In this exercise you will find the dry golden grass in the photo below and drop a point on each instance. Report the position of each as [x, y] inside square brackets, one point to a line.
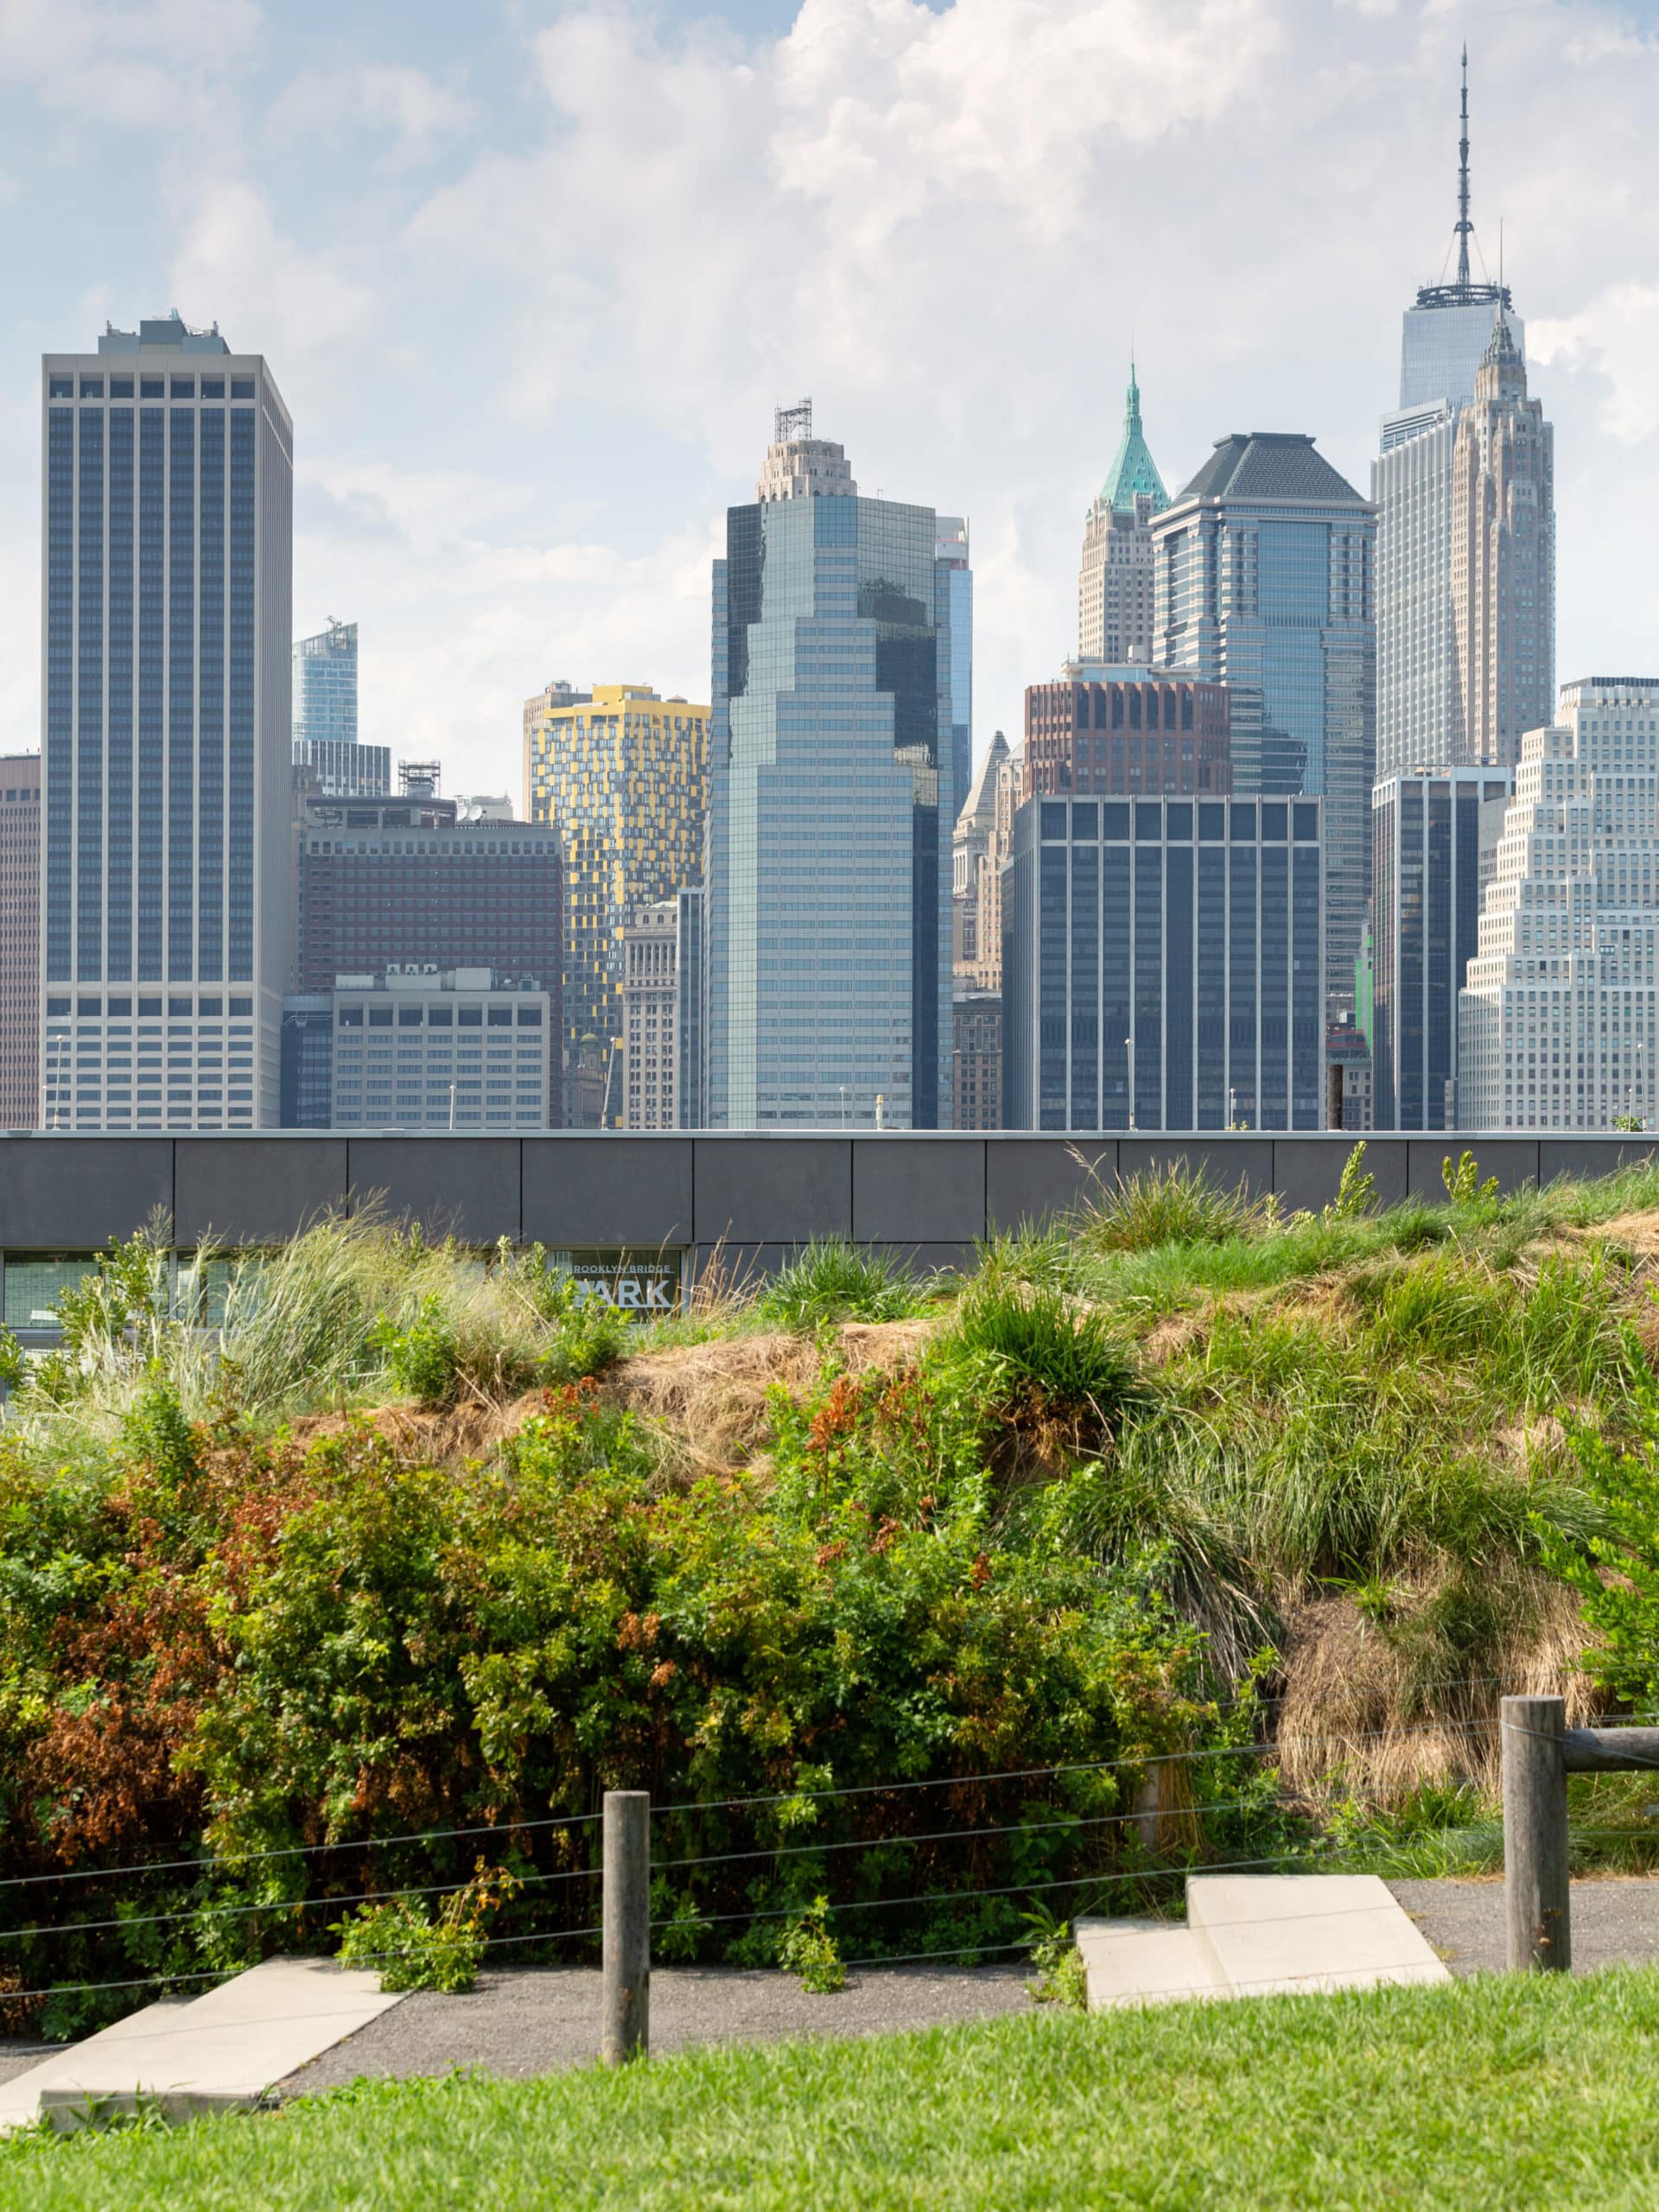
[1355, 1714]
[712, 1399]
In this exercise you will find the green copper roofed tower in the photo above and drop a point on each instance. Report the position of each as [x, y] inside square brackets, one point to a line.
[1133, 473]
[1114, 581]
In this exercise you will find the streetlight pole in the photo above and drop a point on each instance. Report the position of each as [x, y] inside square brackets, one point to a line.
[1128, 1046]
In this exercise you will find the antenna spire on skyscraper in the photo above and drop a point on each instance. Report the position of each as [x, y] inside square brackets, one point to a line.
[1465, 227]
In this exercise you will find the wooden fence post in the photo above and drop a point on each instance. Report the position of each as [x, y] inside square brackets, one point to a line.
[1536, 1897]
[625, 2029]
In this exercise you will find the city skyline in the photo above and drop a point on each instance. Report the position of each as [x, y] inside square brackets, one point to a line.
[478, 556]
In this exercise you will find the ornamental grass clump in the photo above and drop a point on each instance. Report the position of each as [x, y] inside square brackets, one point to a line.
[1034, 1360]
[1168, 1205]
[831, 1279]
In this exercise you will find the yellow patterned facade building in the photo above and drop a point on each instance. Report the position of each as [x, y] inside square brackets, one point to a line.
[622, 773]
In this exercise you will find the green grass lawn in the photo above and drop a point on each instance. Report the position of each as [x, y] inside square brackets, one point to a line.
[1518, 2092]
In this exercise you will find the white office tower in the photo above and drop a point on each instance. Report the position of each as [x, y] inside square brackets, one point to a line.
[167, 570]
[1443, 339]
[1556, 1023]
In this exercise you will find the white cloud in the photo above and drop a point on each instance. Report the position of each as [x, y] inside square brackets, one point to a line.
[1616, 336]
[234, 265]
[152, 64]
[532, 329]
[412, 112]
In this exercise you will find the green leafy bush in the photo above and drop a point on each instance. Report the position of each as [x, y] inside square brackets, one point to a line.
[1614, 1569]
[809, 1949]
[1062, 1976]
[412, 1948]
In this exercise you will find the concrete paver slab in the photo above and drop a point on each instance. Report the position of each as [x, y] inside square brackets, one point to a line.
[1144, 1962]
[222, 2050]
[1271, 1932]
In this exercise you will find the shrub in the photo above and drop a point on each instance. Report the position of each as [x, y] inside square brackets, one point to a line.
[1615, 1570]
[413, 1948]
[423, 1357]
[809, 1949]
[830, 1280]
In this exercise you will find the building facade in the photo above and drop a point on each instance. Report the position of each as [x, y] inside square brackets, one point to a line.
[827, 906]
[950, 553]
[167, 543]
[976, 957]
[976, 1059]
[1435, 838]
[1264, 584]
[1125, 731]
[1115, 597]
[1503, 561]
[414, 1048]
[325, 686]
[1421, 687]
[1163, 965]
[20, 940]
[401, 884]
[623, 775]
[650, 1016]
[1557, 1021]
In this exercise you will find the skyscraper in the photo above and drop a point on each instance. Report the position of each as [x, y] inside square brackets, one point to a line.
[1420, 717]
[1559, 1021]
[20, 940]
[650, 1016]
[1115, 583]
[1436, 832]
[168, 538]
[826, 909]
[1503, 561]
[325, 717]
[951, 551]
[1163, 965]
[622, 775]
[1264, 575]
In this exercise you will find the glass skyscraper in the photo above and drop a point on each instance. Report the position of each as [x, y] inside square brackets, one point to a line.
[167, 541]
[1162, 965]
[325, 717]
[1263, 578]
[1422, 716]
[951, 547]
[1436, 835]
[827, 914]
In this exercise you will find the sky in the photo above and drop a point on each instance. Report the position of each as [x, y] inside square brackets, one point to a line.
[532, 279]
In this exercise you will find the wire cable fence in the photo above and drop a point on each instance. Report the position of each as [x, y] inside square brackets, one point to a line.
[1025, 1844]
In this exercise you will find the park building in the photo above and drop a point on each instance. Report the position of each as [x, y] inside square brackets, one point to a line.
[1164, 965]
[1557, 1021]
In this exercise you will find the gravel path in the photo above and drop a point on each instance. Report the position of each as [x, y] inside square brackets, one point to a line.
[539, 2019]
[1615, 1922]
